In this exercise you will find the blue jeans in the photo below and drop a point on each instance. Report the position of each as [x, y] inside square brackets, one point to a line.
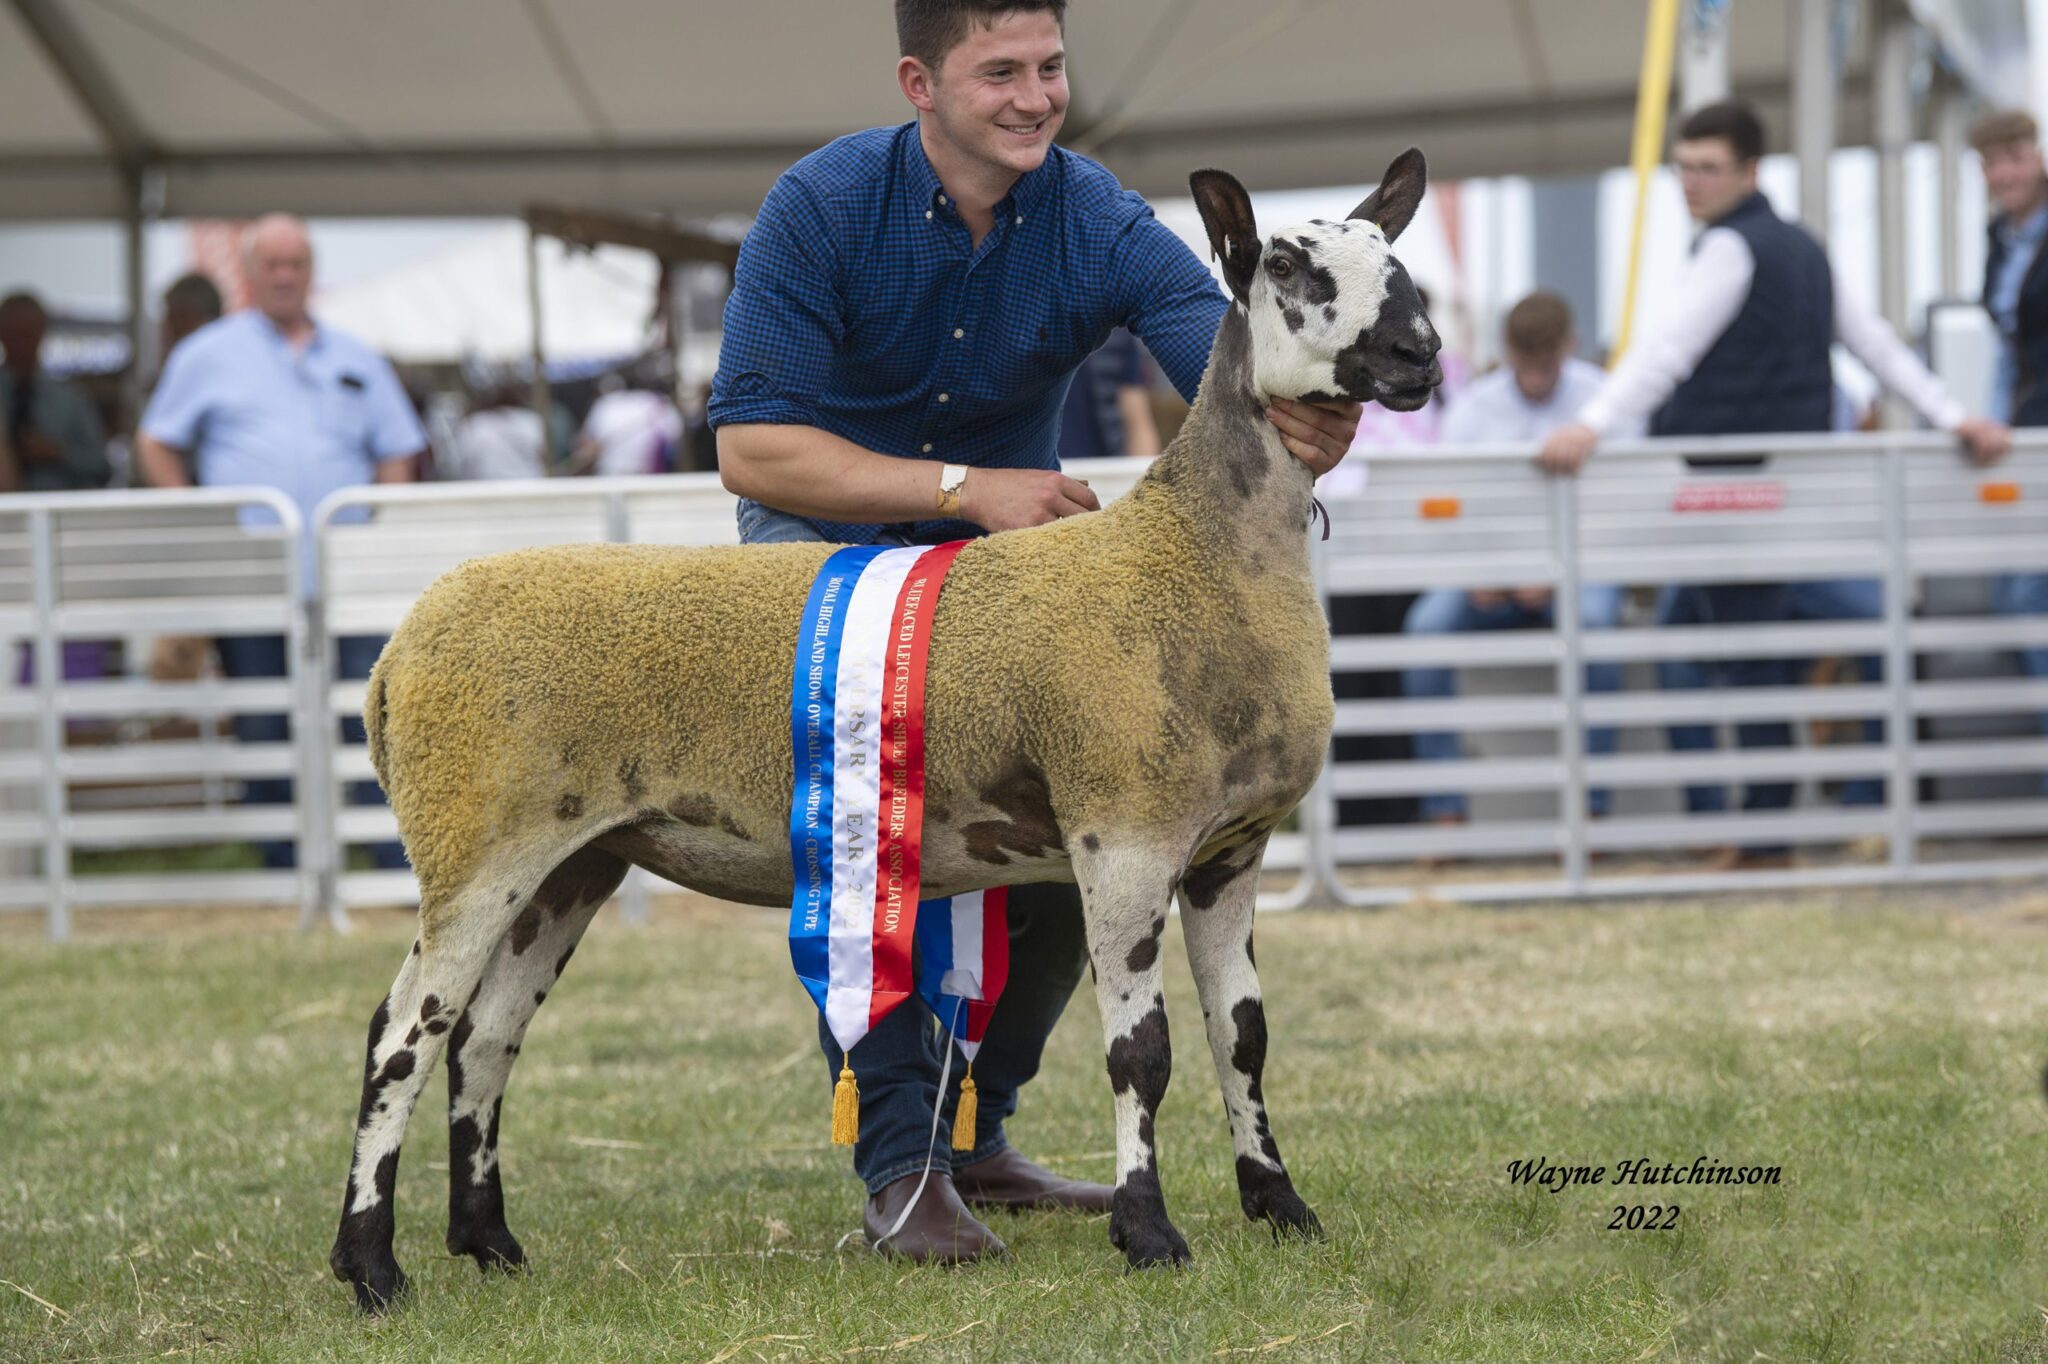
[2026, 594]
[1450, 612]
[899, 1061]
[1753, 604]
[264, 656]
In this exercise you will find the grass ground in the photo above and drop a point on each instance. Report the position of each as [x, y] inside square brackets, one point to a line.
[176, 1103]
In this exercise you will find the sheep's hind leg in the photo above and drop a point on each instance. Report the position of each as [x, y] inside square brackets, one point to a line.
[1216, 917]
[485, 1044]
[1125, 895]
[406, 1036]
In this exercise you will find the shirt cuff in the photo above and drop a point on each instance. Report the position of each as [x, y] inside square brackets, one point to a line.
[759, 412]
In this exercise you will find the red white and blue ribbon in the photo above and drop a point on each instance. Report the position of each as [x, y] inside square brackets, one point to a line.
[856, 818]
[963, 950]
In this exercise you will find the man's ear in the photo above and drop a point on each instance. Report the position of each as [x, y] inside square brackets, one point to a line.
[916, 80]
[1233, 235]
[1392, 206]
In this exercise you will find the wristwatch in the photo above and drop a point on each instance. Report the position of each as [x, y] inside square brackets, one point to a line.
[951, 479]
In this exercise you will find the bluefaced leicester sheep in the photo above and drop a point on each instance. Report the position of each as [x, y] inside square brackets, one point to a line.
[1131, 700]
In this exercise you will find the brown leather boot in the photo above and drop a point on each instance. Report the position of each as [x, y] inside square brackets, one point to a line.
[1007, 1180]
[939, 1229]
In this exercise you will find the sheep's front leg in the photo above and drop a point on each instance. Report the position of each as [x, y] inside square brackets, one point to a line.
[1125, 895]
[1216, 918]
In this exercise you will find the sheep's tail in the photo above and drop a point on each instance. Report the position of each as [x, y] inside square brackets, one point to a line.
[374, 725]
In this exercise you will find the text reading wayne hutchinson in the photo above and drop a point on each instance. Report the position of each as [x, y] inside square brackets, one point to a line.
[1638, 1170]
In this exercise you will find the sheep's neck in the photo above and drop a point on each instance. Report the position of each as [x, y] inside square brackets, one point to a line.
[1228, 471]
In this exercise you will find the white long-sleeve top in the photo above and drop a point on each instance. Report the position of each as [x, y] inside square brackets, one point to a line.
[1711, 293]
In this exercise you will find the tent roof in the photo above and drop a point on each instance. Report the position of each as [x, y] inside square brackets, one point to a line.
[480, 106]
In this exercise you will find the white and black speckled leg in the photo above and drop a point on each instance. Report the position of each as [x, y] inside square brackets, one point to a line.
[485, 1044]
[1216, 918]
[1125, 892]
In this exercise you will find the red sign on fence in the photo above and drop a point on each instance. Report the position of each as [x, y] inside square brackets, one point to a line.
[1750, 495]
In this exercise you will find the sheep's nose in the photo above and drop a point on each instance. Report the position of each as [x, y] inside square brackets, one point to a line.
[1416, 351]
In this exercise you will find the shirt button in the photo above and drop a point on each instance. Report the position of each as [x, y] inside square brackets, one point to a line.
[958, 333]
[927, 447]
[945, 397]
[927, 213]
[1020, 220]
[942, 198]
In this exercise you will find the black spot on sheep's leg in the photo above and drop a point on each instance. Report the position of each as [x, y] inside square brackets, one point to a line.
[570, 806]
[1145, 955]
[476, 1201]
[1204, 883]
[1264, 1189]
[1141, 1063]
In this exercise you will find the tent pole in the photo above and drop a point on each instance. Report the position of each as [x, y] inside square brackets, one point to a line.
[134, 218]
[1813, 108]
[1951, 133]
[543, 402]
[1653, 98]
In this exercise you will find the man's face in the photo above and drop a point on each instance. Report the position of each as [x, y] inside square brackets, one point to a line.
[1713, 178]
[2014, 175]
[1537, 372]
[1001, 94]
[281, 274]
[21, 336]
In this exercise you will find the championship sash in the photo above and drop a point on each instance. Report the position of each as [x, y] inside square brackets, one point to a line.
[857, 814]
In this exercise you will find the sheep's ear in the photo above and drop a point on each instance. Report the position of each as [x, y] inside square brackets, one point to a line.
[1233, 235]
[1392, 206]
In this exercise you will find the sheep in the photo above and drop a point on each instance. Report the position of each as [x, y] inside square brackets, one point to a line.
[1131, 700]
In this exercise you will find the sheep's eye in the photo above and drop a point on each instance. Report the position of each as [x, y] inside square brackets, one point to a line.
[1280, 267]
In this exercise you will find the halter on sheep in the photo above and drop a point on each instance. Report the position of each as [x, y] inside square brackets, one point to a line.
[1131, 700]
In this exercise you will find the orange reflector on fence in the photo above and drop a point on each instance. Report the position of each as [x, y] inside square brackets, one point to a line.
[1998, 492]
[1441, 508]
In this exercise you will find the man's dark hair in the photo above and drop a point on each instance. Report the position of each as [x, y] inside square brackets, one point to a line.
[195, 294]
[1730, 120]
[929, 29]
[23, 300]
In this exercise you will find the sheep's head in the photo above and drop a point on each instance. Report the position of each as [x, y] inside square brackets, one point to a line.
[1332, 312]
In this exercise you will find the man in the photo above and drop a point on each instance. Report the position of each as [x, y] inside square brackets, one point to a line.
[2016, 295]
[1108, 410]
[1747, 350]
[904, 317]
[1542, 386]
[192, 301]
[53, 440]
[269, 398]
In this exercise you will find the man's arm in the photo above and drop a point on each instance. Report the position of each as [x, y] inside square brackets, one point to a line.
[1873, 342]
[810, 472]
[1710, 293]
[159, 465]
[1141, 432]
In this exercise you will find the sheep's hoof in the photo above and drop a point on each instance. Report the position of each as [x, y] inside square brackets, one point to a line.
[1269, 1196]
[493, 1248]
[1138, 1227]
[380, 1289]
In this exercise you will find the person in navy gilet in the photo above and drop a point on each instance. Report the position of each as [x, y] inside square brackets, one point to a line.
[1746, 350]
[2008, 144]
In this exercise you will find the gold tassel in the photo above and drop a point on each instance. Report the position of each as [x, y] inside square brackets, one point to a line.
[845, 1106]
[965, 1113]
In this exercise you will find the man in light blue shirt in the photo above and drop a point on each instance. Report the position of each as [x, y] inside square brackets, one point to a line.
[269, 398]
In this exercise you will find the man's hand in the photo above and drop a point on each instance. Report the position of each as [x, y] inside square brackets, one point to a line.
[1487, 598]
[38, 448]
[1566, 449]
[1532, 598]
[1317, 434]
[1011, 499]
[1985, 442]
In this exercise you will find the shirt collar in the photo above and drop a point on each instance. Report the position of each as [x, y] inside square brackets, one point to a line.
[1024, 197]
[2030, 228]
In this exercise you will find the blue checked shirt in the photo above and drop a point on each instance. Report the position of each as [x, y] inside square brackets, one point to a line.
[861, 306]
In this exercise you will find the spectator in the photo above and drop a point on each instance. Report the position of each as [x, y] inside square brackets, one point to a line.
[502, 437]
[53, 439]
[1109, 404]
[192, 301]
[271, 398]
[2016, 294]
[630, 429]
[1542, 386]
[1747, 350]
